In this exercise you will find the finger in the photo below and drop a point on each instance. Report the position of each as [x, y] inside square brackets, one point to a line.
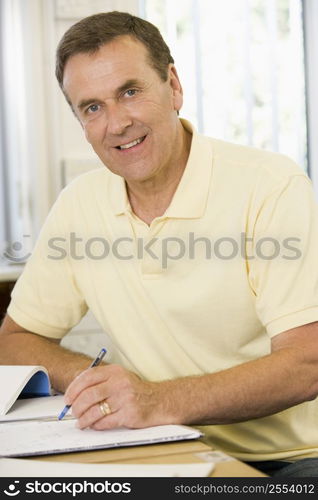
[107, 423]
[93, 415]
[89, 397]
[89, 377]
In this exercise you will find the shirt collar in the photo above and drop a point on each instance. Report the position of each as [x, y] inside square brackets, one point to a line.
[190, 198]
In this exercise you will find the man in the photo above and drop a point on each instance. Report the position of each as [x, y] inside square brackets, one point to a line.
[228, 338]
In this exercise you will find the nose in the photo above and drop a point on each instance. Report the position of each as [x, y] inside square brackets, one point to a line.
[118, 119]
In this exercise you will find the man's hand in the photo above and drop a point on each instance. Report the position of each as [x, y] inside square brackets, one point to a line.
[237, 394]
[134, 403]
[286, 377]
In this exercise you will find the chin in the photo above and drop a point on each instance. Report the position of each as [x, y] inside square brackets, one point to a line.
[135, 174]
[136, 177]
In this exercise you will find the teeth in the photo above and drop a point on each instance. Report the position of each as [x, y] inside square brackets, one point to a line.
[131, 144]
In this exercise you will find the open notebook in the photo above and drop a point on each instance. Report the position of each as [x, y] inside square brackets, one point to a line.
[47, 408]
[43, 438]
[22, 381]
[30, 426]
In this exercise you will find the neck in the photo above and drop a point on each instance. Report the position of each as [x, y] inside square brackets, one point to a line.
[150, 199]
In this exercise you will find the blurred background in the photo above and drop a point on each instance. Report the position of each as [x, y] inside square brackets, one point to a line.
[249, 70]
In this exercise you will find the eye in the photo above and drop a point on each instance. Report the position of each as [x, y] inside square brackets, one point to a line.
[131, 92]
[92, 108]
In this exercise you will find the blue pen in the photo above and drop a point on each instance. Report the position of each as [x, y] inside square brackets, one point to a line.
[96, 362]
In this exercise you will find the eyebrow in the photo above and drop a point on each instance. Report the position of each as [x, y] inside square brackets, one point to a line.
[129, 83]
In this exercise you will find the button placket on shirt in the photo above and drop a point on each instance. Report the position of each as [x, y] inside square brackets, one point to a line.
[148, 246]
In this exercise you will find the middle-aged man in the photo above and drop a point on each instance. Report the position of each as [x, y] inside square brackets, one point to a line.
[198, 258]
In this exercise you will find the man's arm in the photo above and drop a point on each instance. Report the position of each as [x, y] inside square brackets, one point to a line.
[286, 377]
[18, 346]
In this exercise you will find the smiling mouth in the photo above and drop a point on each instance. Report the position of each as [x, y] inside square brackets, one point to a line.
[131, 144]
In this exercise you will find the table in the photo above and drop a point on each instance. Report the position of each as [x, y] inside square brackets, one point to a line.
[167, 453]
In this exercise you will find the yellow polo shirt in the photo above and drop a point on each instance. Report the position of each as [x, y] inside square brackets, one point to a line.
[231, 263]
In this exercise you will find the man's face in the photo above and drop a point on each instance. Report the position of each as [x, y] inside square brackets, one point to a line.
[127, 112]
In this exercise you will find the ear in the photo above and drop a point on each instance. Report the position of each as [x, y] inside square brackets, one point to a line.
[177, 92]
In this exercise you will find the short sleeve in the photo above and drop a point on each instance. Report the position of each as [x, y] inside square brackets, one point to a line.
[46, 299]
[283, 265]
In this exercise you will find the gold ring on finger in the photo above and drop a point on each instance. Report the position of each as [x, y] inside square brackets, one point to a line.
[105, 408]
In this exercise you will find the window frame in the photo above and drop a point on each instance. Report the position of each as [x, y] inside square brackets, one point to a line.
[4, 201]
[310, 27]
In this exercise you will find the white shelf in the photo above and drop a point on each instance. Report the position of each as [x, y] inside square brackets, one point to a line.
[10, 272]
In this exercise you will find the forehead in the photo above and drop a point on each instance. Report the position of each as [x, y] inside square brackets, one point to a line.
[122, 57]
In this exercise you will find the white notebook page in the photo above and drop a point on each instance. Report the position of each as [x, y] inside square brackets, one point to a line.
[38, 438]
[47, 406]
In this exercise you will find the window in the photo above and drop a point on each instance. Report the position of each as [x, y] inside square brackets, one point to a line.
[15, 220]
[24, 171]
[241, 63]
[310, 14]
[3, 183]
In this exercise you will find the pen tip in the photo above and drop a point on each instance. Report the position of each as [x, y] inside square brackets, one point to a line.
[62, 414]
